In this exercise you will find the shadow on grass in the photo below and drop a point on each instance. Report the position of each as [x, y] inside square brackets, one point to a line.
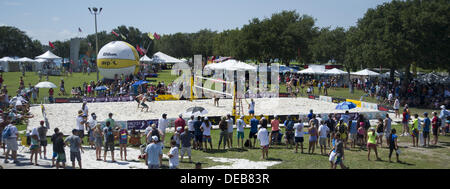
[434, 146]
[445, 143]
[405, 163]
[215, 151]
[238, 150]
[274, 159]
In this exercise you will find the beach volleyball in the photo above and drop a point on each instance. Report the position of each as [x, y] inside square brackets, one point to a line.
[116, 58]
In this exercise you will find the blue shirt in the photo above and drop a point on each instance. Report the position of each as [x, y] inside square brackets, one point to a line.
[153, 151]
[353, 129]
[197, 126]
[289, 125]
[310, 116]
[426, 127]
[254, 125]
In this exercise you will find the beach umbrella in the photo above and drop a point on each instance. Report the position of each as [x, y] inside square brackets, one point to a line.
[101, 88]
[196, 111]
[345, 106]
[45, 84]
[139, 83]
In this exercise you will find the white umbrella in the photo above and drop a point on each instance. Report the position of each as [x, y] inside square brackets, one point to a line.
[45, 84]
[48, 55]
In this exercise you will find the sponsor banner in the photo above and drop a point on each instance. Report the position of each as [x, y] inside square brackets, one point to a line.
[357, 102]
[383, 108]
[337, 100]
[283, 95]
[166, 97]
[74, 100]
[325, 99]
[121, 124]
[141, 124]
[61, 100]
[369, 105]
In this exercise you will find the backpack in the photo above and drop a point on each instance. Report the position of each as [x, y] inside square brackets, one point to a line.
[438, 122]
[341, 129]
[6, 132]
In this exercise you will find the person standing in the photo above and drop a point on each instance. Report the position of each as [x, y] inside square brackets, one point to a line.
[339, 150]
[426, 129]
[393, 145]
[98, 140]
[81, 120]
[179, 122]
[387, 127]
[153, 154]
[380, 132]
[289, 128]
[191, 129]
[75, 147]
[405, 121]
[11, 140]
[435, 123]
[253, 130]
[59, 150]
[186, 143]
[163, 123]
[275, 125]
[223, 126]
[230, 128]
[198, 135]
[91, 123]
[331, 124]
[173, 155]
[323, 132]
[34, 147]
[109, 141]
[123, 140]
[206, 128]
[251, 107]
[42, 130]
[443, 116]
[415, 131]
[53, 139]
[372, 143]
[312, 138]
[240, 125]
[263, 137]
[298, 127]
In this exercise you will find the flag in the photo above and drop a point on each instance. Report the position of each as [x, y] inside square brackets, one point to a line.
[139, 50]
[156, 36]
[79, 29]
[150, 36]
[51, 45]
[113, 32]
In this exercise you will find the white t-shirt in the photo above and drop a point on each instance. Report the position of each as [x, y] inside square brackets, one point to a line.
[252, 106]
[80, 126]
[162, 124]
[173, 161]
[323, 131]
[191, 125]
[14, 131]
[396, 104]
[230, 125]
[206, 130]
[263, 136]
[298, 127]
[148, 130]
[92, 123]
[85, 110]
[240, 124]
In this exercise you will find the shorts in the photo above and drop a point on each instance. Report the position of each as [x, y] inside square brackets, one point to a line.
[387, 134]
[277, 131]
[370, 145]
[186, 149]
[98, 142]
[206, 138]
[338, 160]
[230, 136]
[352, 136]
[54, 155]
[435, 131]
[122, 141]
[344, 136]
[312, 138]
[75, 155]
[198, 138]
[252, 135]
[415, 133]
[289, 135]
[43, 143]
[298, 139]
[61, 157]
[322, 141]
[109, 147]
[265, 147]
[426, 134]
[33, 147]
[332, 156]
[251, 112]
[144, 105]
[11, 144]
[156, 166]
[380, 134]
[240, 135]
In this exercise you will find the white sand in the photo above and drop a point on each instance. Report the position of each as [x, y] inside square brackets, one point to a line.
[241, 163]
[64, 115]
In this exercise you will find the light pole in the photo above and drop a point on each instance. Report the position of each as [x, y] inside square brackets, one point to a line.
[95, 13]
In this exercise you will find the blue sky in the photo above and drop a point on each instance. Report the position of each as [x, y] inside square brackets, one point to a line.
[51, 20]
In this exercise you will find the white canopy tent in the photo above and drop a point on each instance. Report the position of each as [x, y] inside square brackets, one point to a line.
[145, 58]
[231, 65]
[25, 59]
[335, 71]
[161, 58]
[312, 69]
[365, 72]
[48, 55]
[5, 64]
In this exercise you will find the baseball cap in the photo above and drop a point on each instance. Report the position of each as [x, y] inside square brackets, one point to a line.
[155, 138]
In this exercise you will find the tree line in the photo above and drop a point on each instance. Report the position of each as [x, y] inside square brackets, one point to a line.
[394, 35]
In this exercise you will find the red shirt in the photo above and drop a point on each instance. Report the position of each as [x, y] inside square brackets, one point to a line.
[50, 92]
[180, 123]
[434, 122]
